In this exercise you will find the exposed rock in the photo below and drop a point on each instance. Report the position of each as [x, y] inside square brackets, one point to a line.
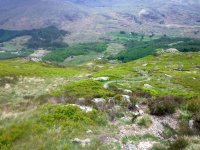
[150, 15]
[191, 124]
[111, 100]
[126, 98]
[162, 51]
[128, 91]
[89, 131]
[137, 106]
[7, 86]
[144, 65]
[145, 145]
[84, 108]
[130, 146]
[148, 86]
[141, 112]
[82, 142]
[38, 54]
[169, 76]
[101, 79]
[172, 50]
[100, 102]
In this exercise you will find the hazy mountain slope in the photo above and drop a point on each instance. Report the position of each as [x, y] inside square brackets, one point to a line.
[89, 19]
[33, 14]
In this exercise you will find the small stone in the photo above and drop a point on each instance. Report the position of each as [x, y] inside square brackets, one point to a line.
[131, 147]
[89, 131]
[172, 50]
[148, 86]
[81, 142]
[100, 102]
[126, 98]
[137, 106]
[101, 79]
[144, 65]
[191, 124]
[145, 145]
[141, 112]
[84, 108]
[7, 86]
[127, 91]
[169, 76]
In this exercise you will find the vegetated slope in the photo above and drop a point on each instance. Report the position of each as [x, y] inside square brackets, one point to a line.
[38, 107]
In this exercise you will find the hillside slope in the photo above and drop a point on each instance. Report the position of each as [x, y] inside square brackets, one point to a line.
[140, 103]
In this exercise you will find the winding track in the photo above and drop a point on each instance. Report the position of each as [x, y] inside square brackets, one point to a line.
[106, 84]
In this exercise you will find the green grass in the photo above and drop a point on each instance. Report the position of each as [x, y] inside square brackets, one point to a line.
[144, 121]
[152, 70]
[49, 123]
[137, 138]
[19, 67]
[85, 88]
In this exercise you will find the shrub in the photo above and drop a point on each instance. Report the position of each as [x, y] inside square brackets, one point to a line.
[193, 105]
[85, 88]
[71, 120]
[164, 105]
[158, 146]
[179, 144]
[197, 121]
[144, 121]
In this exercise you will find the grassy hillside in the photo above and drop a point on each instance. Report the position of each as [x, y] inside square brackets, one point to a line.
[35, 100]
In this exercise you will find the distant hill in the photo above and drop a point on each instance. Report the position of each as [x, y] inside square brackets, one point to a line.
[89, 19]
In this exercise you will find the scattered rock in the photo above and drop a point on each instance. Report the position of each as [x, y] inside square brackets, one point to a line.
[137, 106]
[172, 50]
[7, 86]
[101, 79]
[148, 86]
[141, 112]
[89, 132]
[131, 147]
[148, 14]
[169, 76]
[128, 91]
[100, 102]
[191, 124]
[88, 75]
[111, 100]
[145, 145]
[125, 91]
[81, 142]
[126, 98]
[144, 65]
[84, 108]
